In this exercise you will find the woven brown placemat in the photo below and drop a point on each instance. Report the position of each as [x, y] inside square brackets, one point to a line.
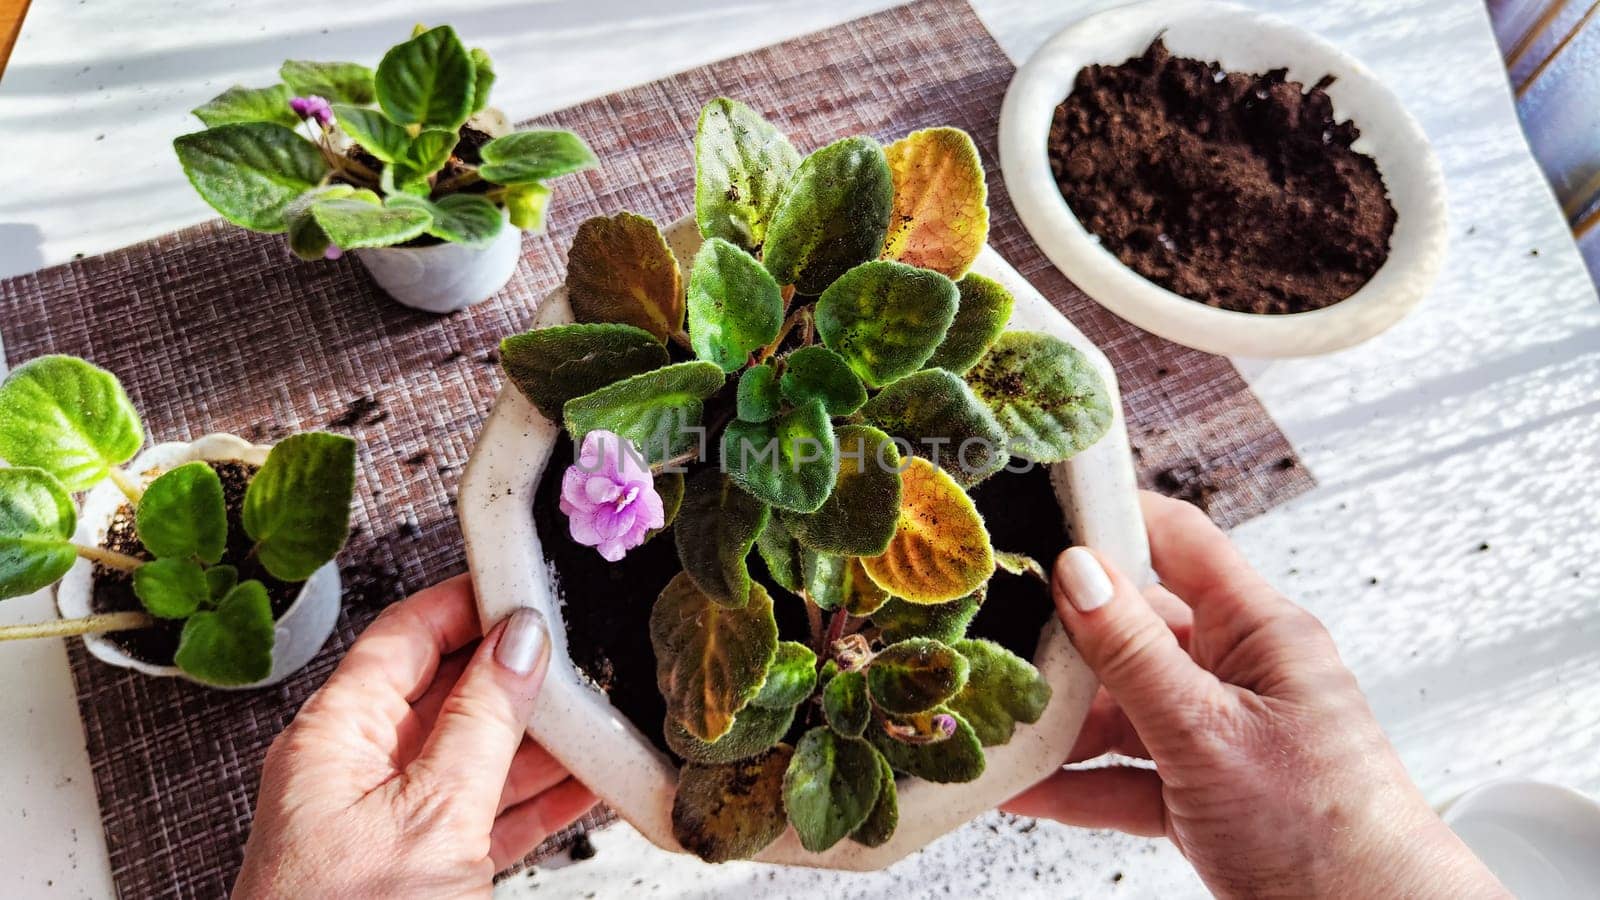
[216, 329]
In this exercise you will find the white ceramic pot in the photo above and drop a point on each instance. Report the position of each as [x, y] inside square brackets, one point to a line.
[1242, 40]
[581, 728]
[300, 631]
[445, 277]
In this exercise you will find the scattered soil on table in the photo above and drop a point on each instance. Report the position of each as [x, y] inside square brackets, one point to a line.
[1239, 191]
[364, 410]
[1190, 483]
[113, 590]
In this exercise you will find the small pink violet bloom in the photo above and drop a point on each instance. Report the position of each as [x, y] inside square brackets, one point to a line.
[945, 725]
[332, 252]
[609, 497]
[312, 107]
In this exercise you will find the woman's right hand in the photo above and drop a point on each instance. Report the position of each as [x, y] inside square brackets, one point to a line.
[1271, 774]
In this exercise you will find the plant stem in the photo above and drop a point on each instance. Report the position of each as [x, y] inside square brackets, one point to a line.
[466, 178]
[111, 559]
[803, 313]
[127, 484]
[835, 629]
[814, 618]
[96, 624]
[676, 462]
[681, 338]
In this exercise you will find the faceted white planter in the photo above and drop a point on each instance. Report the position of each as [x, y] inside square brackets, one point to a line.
[604, 750]
[300, 632]
[445, 277]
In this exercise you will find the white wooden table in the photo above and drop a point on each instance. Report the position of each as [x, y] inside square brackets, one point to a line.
[1458, 455]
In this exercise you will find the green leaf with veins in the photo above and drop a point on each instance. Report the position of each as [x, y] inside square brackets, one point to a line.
[845, 704]
[759, 398]
[939, 414]
[735, 308]
[731, 811]
[306, 238]
[522, 157]
[69, 418]
[830, 787]
[466, 219]
[553, 365]
[983, 311]
[336, 82]
[220, 580]
[915, 675]
[249, 171]
[833, 215]
[426, 154]
[786, 462]
[711, 659]
[956, 759]
[886, 318]
[741, 166]
[620, 269]
[483, 78]
[37, 520]
[898, 620]
[428, 80]
[1048, 397]
[656, 410]
[885, 815]
[781, 553]
[171, 588]
[755, 729]
[352, 222]
[840, 582]
[297, 507]
[1002, 689]
[860, 514]
[790, 679]
[232, 644]
[242, 104]
[182, 515]
[717, 526]
[374, 131]
[525, 204]
[817, 373]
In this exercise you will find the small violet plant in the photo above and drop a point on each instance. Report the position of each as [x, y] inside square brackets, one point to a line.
[609, 496]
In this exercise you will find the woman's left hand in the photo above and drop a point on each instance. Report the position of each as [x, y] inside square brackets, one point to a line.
[409, 774]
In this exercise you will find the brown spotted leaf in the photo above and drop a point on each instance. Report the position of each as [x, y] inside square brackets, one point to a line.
[621, 270]
[940, 550]
[711, 660]
[941, 213]
[731, 811]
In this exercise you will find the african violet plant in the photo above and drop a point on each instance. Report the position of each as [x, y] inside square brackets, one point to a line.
[66, 425]
[378, 175]
[857, 381]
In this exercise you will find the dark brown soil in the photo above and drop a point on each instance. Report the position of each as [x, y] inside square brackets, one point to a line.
[113, 590]
[1239, 191]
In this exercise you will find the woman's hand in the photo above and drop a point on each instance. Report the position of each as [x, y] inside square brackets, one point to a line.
[1271, 775]
[409, 773]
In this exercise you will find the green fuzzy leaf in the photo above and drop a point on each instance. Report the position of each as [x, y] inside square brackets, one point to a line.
[711, 660]
[171, 588]
[374, 131]
[524, 157]
[620, 269]
[915, 675]
[735, 308]
[483, 78]
[181, 515]
[37, 520]
[983, 312]
[352, 223]
[840, 582]
[553, 365]
[1047, 397]
[525, 205]
[1002, 689]
[655, 410]
[787, 462]
[886, 318]
[717, 526]
[250, 171]
[231, 645]
[941, 417]
[885, 815]
[755, 729]
[830, 788]
[845, 704]
[899, 620]
[832, 217]
[426, 154]
[859, 516]
[759, 397]
[790, 679]
[781, 552]
[741, 166]
[220, 580]
[956, 759]
[306, 238]
[297, 508]
[429, 80]
[731, 811]
[466, 219]
[1021, 564]
[817, 373]
[336, 82]
[242, 104]
[69, 418]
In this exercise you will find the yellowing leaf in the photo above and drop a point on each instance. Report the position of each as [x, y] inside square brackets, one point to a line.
[711, 660]
[731, 811]
[940, 550]
[941, 211]
[621, 270]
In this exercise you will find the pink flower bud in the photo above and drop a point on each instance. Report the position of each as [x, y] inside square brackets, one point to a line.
[312, 107]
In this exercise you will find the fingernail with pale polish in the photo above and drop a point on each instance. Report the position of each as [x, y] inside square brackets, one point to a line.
[523, 642]
[1084, 579]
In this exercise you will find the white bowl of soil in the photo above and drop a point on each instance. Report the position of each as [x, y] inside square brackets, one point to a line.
[1240, 41]
[300, 630]
[511, 544]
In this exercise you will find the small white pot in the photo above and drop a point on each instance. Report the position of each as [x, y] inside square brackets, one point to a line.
[580, 727]
[300, 631]
[445, 277]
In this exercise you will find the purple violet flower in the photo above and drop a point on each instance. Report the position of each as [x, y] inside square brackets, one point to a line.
[944, 724]
[332, 252]
[312, 107]
[608, 495]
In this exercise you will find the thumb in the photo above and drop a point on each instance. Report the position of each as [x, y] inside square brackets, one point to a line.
[482, 722]
[1130, 647]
